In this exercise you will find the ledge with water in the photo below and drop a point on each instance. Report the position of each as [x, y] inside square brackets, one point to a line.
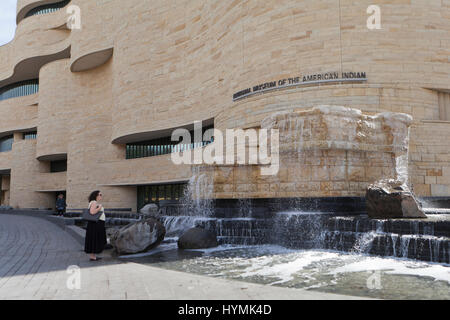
[425, 240]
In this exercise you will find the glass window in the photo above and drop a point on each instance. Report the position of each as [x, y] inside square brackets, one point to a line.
[48, 8]
[6, 143]
[19, 89]
[156, 193]
[30, 135]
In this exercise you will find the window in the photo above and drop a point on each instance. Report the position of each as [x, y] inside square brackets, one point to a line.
[58, 166]
[30, 135]
[156, 193]
[48, 8]
[19, 89]
[158, 147]
[6, 143]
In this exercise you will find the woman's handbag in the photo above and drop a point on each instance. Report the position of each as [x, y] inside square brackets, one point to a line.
[91, 217]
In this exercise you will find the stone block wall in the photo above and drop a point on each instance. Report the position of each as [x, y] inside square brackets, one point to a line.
[430, 158]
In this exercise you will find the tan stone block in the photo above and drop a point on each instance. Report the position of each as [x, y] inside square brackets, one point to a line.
[415, 179]
[434, 172]
[308, 187]
[440, 190]
[319, 173]
[287, 187]
[274, 187]
[299, 174]
[422, 190]
[443, 158]
[223, 175]
[356, 173]
[428, 157]
[338, 173]
[326, 186]
[374, 173]
[430, 180]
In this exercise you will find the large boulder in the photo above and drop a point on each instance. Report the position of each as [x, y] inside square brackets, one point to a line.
[391, 199]
[150, 211]
[197, 238]
[138, 237]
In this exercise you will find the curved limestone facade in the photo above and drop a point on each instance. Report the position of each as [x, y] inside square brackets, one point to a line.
[133, 71]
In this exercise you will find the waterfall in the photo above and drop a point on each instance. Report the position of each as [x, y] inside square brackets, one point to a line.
[400, 129]
[198, 195]
[293, 229]
[364, 242]
[245, 208]
[177, 225]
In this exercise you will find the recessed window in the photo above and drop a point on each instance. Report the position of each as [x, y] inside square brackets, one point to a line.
[30, 135]
[162, 146]
[48, 8]
[19, 89]
[156, 193]
[58, 166]
[6, 143]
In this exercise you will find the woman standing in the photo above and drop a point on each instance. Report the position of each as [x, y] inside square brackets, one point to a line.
[95, 233]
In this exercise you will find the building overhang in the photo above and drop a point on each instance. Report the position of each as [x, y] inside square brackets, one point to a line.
[50, 191]
[5, 172]
[148, 183]
[29, 68]
[151, 135]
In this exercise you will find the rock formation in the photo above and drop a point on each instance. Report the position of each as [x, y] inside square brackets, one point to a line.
[390, 199]
[150, 211]
[138, 237]
[198, 238]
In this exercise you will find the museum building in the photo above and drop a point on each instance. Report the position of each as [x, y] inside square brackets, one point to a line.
[91, 91]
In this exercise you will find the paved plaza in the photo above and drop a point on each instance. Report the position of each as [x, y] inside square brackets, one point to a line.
[35, 255]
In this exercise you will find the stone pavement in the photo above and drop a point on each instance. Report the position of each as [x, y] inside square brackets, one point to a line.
[35, 255]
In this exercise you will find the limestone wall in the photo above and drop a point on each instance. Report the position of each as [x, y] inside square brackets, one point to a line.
[324, 152]
[25, 172]
[430, 158]
[156, 65]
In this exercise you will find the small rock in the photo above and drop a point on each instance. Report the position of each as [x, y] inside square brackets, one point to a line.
[197, 238]
[391, 199]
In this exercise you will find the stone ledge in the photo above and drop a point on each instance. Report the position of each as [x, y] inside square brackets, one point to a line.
[77, 233]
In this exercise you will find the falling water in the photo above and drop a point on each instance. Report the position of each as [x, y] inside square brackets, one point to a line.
[245, 208]
[197, 199]
[177, 225]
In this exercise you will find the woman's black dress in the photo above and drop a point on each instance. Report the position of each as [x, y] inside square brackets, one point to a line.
[95, 241]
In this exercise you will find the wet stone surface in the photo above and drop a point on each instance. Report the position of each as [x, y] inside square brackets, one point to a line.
[314, 270]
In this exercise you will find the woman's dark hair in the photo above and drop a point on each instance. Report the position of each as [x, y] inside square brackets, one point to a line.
[93, 196]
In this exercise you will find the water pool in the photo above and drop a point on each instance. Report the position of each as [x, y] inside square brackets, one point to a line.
[319, 270]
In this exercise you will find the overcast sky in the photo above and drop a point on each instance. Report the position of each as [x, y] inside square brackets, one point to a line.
[7, 20]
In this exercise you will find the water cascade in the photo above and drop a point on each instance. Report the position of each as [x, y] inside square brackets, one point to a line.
[329, 156]
[197, 198]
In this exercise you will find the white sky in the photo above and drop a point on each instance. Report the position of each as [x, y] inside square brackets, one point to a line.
[7, 20]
